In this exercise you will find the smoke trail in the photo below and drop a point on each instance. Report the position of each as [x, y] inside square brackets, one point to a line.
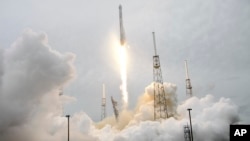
[123, 71]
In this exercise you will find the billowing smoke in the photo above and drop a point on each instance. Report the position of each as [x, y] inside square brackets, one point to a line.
[210, 117]
[144, 110]
[32, 74]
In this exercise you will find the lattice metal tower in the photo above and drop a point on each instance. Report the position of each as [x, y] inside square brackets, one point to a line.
[188, 82]
[160, 105]
[187, 135]
[103, 115]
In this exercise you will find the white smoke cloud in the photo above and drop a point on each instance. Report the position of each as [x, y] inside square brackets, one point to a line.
[32, 74]
[210, 119]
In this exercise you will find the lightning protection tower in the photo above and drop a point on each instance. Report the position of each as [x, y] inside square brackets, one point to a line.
[188, 82]
[160, 104]
[103, 115]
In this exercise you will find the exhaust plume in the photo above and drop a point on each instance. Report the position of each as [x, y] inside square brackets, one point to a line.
[32, 74]
[211, 119]
[123, 71]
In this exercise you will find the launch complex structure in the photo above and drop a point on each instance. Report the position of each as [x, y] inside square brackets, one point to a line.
[160, 102]
[160, 96]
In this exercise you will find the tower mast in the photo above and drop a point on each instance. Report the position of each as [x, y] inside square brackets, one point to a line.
[160, 104]
[103, 115]
[187, 135]
[188, 82]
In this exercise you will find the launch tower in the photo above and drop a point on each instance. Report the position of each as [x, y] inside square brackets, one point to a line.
[103, 115]
[160, 105]
[188, 82]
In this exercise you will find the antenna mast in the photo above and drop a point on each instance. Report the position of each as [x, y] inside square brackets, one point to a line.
[154, 43]
[160, 104]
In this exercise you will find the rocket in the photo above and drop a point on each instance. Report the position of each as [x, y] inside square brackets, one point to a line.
[122, 33]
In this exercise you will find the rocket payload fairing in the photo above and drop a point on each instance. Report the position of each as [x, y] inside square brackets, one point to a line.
[122, 33]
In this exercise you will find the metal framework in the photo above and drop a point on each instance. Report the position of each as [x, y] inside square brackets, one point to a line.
[187, 135]
[103, 115]
[188, 82]
[160, 104]
[190, 121]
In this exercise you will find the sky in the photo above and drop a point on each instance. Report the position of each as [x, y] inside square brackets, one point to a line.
[212, 35]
